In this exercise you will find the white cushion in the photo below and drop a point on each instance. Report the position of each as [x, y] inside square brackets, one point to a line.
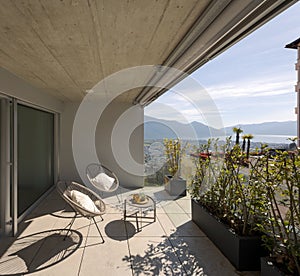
[84, 201]
[104, 180]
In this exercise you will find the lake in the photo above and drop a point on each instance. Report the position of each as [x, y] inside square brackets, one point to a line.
[278, 139]
[268, 139]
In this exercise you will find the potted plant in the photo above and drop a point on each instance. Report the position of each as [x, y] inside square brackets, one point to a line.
[229, 204]
[282, 228]
[175, 185]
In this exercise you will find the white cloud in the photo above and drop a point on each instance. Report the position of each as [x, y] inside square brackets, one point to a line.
[235, 102]
[253, 88]
[250, 82]
[184, 109]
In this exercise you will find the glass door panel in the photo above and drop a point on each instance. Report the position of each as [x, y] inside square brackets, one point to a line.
[35, 154]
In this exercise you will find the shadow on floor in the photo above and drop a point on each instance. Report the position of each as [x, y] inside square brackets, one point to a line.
[116, 230]
[39, 251]
[174, 255]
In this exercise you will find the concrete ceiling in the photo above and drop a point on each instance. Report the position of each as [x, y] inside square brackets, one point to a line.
[65, 47]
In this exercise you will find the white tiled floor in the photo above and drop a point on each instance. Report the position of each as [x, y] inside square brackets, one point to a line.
[173, 245]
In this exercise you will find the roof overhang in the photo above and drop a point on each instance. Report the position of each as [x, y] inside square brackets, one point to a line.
[293, 45]
[65, 47]
[196, 52]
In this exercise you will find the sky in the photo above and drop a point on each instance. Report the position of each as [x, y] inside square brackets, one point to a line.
[252, 82]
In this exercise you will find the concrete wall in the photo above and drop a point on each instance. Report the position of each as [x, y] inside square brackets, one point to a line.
[18, 88]
[15, 87]
[107, 148]
[103, 142]
[67, 166]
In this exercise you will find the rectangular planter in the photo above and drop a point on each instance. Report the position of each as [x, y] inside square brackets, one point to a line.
[175, 187]
[243, 252]
[268, 269]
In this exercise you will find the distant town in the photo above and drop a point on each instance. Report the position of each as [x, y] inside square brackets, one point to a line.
[277, 135]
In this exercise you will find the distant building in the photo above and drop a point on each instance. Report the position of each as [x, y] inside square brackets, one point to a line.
[296, 45]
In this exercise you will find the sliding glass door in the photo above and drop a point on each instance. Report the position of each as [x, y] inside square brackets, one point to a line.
[35, 154]
[27, 150]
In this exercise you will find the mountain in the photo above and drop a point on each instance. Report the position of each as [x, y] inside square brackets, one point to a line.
[158, 129]
[287, 128]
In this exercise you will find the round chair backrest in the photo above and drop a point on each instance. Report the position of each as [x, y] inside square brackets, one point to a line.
[64, 190]
[102, 178]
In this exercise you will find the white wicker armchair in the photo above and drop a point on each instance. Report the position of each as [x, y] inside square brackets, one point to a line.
[83, 201]
[102, 178]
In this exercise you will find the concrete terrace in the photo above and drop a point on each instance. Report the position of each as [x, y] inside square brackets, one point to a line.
[173, 245]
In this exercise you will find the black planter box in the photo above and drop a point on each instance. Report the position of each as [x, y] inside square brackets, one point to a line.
[243, 252]
[268, 269]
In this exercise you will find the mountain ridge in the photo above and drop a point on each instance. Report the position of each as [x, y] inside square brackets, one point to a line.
[268, 128]
[155, 128]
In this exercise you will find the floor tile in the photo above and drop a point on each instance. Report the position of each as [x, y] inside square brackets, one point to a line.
[185, 204]
[179, 219]
[173, 208]
[67, 266]
[114, 208]
[177, 227]
[150, 229]
[57, 252]
[200, 257]
[106, 259]
[111, 226]
[81, 224]
[39, 252]
[39, 224]
[173, 245]
[160, 209]
[154, 256]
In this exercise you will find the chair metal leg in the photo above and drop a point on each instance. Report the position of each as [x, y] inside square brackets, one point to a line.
[137, 222]
[71, 224]
[98, 229]
[101, 218]
[117, 196]
[131, 215]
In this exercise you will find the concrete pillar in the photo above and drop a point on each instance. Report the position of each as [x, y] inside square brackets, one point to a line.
[5, 195]
[296, 45]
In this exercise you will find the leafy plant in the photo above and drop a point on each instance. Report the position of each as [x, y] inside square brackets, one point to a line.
[263, 198]
[173, 152]
[202, 173]
[230, 191]
[281, 176]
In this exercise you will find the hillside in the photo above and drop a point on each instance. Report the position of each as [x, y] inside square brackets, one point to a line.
[268, 128]
[158, 129]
